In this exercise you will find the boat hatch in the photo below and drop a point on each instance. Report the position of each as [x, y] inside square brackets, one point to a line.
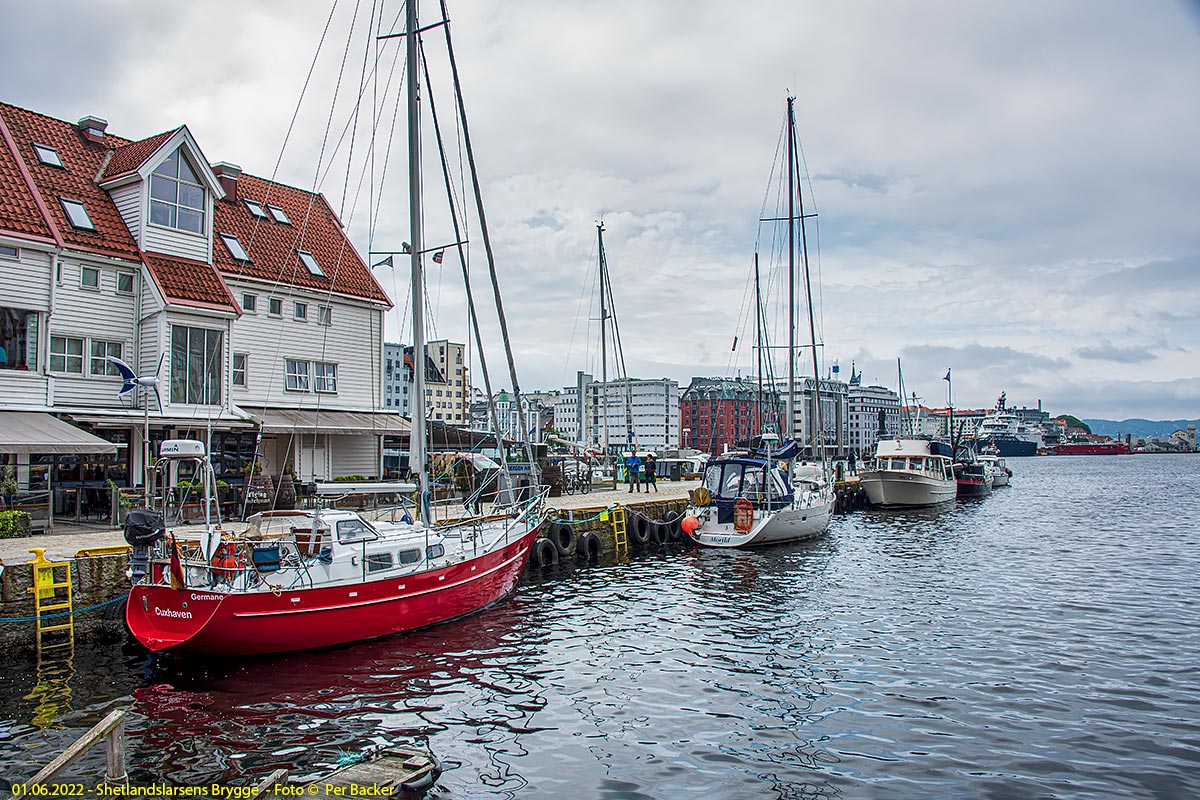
[355, 530]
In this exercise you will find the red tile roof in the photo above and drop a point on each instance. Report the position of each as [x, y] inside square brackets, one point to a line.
[188, 282]
[81, 160]
[128, 158]
[272, 245]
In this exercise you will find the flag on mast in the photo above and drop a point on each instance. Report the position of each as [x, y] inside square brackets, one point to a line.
[385, 262]
[437, 257]
[176, 568]
[947, 376]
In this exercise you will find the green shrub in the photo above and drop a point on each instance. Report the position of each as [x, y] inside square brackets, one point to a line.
[349, 478]
[13, 524]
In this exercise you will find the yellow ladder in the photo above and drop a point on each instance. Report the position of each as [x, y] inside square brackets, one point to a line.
[52, 594]
[620, 538]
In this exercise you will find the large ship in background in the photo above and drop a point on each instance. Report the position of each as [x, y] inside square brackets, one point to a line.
[1006, 434]
[1091, 447]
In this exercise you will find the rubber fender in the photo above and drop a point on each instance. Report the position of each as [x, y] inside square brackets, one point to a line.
[545, 553]
[639, 530]
[564, 538]
[420, 786]
[588, 547]
[659, 533]
[671, 521]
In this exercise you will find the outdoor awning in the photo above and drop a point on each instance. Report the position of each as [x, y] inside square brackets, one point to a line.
[304, 420]
[39, 432]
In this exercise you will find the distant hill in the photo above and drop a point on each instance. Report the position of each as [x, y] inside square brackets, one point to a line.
[1139, 427]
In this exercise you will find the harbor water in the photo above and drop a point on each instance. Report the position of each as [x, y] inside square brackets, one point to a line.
[1040, 642]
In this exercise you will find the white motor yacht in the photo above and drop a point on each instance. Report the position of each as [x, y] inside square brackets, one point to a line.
[910, 471]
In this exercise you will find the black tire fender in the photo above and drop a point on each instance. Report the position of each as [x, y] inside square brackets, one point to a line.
[545, 553]
[564, 538]
[589, 546]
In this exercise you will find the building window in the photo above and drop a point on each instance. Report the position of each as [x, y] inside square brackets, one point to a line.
[9, 252]
[176, 195]
[300, 311]
[249, 302]
[196, 355]
[310, 263]
[325, 377]
[256, 209]
[275, 307]
[239, 369]
[77, 214]
[278, 215]
[100, 365]
[18, 338]
[47, 155]
[124, 283]
[66, 355]
[297, 375]
[325, 315]
[235, 247]
[89, 278]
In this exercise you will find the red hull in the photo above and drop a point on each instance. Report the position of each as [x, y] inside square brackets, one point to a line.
[215, 623]
[1092, 449]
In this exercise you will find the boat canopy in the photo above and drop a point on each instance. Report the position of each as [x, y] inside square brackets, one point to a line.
[785, 451]
[732, 478]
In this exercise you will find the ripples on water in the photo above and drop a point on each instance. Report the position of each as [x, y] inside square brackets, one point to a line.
[1040, 642]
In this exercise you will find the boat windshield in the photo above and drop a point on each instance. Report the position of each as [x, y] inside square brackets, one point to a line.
[354, 530]
[732, 480]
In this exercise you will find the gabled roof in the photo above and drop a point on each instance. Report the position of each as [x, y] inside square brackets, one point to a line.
[75, 180]
[191, 283]
[272, 245]
[128, 158]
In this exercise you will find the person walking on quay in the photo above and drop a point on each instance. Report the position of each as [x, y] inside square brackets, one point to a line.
[651, 473]
[853, 463]
[633, 465]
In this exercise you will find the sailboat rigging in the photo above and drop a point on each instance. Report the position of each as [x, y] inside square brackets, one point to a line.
[303, 579]
[750, 499]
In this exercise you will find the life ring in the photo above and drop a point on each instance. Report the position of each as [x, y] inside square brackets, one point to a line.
[228, 559]
[639, 531]
[588, 547]
[564, 538]
[545, 553]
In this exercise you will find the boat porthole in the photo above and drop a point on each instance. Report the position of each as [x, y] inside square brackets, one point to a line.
[145, 603]
[183, 604]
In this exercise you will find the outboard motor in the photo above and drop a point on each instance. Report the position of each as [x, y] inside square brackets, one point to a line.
[143, 527]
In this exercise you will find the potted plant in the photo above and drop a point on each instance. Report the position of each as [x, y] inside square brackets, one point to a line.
[14, 524]
[8, 484]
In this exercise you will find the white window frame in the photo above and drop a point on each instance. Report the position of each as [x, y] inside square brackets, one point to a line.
[185, 361]
[85, 270]
[47, 155]
[295, 375]
[8, 251]
[132, 282]
[235, 247]
[240, 372]
[250, 302]
[271, 303]
[95, 360]
[310, 263]
[65, 356]
[277, 214]
[176, 204]
[256, 209]
[325, 377]
[324, 315]
[77, 214]
[300, 311]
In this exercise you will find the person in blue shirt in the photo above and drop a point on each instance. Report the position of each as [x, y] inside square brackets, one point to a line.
[633, 465]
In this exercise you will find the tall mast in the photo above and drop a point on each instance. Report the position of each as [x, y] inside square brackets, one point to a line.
[818, 429]
[417, 443]
[603, 412]
[791, 395]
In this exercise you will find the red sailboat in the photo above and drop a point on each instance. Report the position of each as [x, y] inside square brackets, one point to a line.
[297, 580]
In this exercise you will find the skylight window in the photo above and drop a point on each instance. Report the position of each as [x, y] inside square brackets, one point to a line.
[47, 155]
[278, 215]
[310, 263]
[235, 247]
[77, 214]
[256, 209]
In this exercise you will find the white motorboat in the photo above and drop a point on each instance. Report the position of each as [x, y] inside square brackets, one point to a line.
[1000, 470]
[909, 471]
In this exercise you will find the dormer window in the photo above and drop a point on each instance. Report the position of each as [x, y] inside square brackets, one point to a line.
[47, 155]
[77, 214]
[310, 263]
[235, 247]
[256, 209]
[176, 195]
[278, 215]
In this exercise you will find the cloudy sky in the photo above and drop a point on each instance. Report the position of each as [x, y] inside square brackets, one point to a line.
[1008, 189]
